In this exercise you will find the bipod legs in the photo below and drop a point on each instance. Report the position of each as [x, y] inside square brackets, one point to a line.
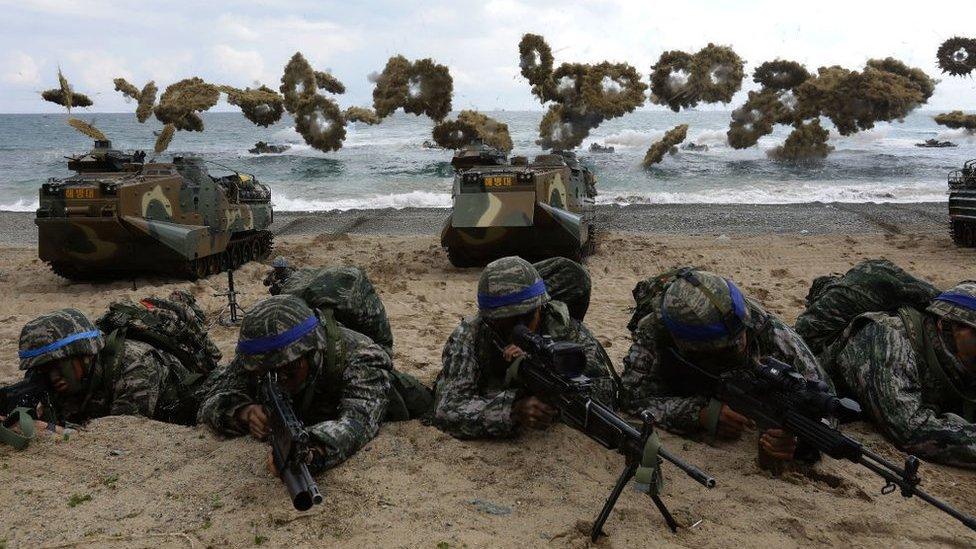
[625, 476]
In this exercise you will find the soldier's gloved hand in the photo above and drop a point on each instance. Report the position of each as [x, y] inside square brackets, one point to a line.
[532, 412]
[253, 418]
[777, 444]
[512, 352]
[731, 424]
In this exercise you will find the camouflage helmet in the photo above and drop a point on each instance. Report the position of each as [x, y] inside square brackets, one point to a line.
[509, 287]
[277, 331]
[957, 304]
[704, 311]
[57, 335]
[279, 262]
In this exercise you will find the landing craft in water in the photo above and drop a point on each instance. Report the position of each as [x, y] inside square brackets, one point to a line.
[119, 215]
[535, 210]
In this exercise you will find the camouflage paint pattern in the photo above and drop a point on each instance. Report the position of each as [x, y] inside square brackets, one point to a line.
[54, 326]
[343, 409]
[346, 290]
[653, 381]
[471, 396]
[535, 210]
[145, 216]
[506, 276]
[962, 205]
[877, 363]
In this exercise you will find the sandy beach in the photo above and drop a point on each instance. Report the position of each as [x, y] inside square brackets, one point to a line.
[129, 482]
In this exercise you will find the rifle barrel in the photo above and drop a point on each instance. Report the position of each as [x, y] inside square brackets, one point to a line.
[882, 471]
[699, 476]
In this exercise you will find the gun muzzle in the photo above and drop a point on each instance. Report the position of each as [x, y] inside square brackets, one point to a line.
[301, 487]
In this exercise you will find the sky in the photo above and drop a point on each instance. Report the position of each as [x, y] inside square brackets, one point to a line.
[246, 43]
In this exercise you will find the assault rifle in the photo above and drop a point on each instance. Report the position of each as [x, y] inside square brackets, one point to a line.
[27, 393]
[775, 395]
[552, 372]
[290, 445]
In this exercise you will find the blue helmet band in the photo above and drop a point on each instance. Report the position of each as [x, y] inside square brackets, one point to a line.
[266, 344]
[495, 301]
[63, 342]
[962, 300]
[727, 327]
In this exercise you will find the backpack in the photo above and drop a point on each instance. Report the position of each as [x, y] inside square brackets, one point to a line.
[567, 281]
[874, 285]
[349, 294]
[173, 327]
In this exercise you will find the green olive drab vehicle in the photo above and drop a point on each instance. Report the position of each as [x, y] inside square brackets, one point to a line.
[962, 205]
[119, 215]
[536, 210]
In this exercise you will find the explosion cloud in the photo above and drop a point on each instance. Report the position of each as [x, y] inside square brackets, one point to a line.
[321, 124]
[807, 142]
[165, 138]
[957, 56]
[672, 138]
[325, 81]
[87, 129]
[298, 83]
[885, 90]
[146, 98]
[681, 80]
[65, 96]
[535, 62]
[262, 106]
[361, 114]
[780, 75]
[583, 95]
[716, 73]
[421, 87]
[754, 119]
[181, 101]
[454, 134]
[957, 120]
[671, 81]
[470, 126]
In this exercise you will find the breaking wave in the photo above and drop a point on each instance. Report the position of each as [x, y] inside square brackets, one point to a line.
[414, 199]
[775, 194]
[20, 206]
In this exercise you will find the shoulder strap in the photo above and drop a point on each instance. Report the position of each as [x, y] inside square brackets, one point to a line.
[335, 356]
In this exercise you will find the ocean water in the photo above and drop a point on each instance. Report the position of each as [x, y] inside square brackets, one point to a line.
[387, 166]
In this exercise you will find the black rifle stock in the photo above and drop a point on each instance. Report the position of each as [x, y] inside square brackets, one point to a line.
[775, 395]
[290, 446]
[551, 372]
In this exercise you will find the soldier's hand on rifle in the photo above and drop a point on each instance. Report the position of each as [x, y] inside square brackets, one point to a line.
[532, 412]
[254, 419]
[512, 352]
[777, 444]
[731, 424]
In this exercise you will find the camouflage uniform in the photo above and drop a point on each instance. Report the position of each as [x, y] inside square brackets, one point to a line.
[903, 372]
[342, 403]
[567, 281]
[132, 379]
[653, 380]
[471, 397]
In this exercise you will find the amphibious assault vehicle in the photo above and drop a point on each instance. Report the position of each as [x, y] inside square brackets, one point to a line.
[536, 210]
[119, 215]
[962, 205]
